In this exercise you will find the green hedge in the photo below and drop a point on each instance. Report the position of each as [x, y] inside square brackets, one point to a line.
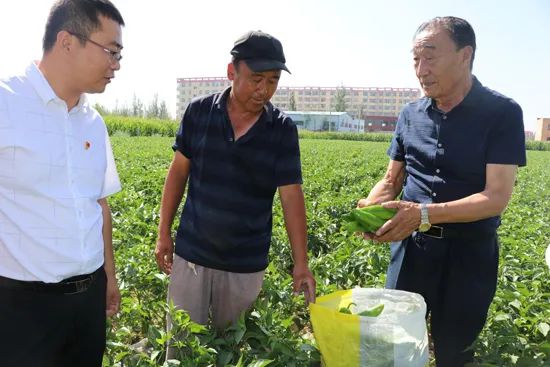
[383, 137]
[136, 126]
[537, 145]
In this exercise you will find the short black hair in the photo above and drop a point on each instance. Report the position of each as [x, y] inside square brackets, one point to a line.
[236, 61]
[80, 17]
[459, 30]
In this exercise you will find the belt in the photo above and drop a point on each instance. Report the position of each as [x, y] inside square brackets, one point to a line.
[445, 232]
[73, 285]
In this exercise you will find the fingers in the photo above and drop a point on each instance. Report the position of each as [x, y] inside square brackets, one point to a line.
[309, 291]
[306, 285]
[164, 261]
[164, 256]
[112, 309]
[112, 301]
[365, 202]
[168, 260]
[391, 204]
[369, 235]
[386, 227]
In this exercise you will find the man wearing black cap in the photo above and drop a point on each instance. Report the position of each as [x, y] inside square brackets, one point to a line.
[236, 149]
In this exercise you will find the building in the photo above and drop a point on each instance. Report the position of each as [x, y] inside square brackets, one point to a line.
[380, 123]
[188, 88]
[326, 121]
[359, 102]
[542, 133]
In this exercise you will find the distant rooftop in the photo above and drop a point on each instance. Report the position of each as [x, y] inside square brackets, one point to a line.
[315, 113]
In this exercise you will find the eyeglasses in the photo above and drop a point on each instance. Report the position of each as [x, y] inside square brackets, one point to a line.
[113, 55]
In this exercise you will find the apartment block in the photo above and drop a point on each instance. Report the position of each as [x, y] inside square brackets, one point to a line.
[542, 133]
[359, 102]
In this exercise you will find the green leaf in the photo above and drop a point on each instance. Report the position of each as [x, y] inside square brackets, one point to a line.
[544, 328]
[260, 363]
[516, 304]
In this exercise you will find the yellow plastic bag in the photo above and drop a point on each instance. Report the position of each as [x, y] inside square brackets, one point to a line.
[395, 338]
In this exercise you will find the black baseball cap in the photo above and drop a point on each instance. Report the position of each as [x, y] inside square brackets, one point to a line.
[260, 51]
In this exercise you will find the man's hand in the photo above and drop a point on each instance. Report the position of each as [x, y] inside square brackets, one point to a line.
[303, 281]
[113, 297]
[164, 253]
[405, 222]
[366, 202]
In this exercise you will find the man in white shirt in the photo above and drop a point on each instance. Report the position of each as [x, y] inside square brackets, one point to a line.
[57, 271]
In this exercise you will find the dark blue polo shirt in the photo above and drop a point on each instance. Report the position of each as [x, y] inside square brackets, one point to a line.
[446, 153]
[227, 217]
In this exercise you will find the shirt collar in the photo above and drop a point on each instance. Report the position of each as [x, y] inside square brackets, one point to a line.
[221, 103]
[470, 99]
[44, 89]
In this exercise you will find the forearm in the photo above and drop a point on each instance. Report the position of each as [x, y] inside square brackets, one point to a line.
[469, 209]
[295, 221]
[490, 202]
[171, 199]
[108, 253]
[383, 191]
[388, 187]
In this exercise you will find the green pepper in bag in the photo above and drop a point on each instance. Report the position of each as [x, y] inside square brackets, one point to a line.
[373, 312]
[367, 219]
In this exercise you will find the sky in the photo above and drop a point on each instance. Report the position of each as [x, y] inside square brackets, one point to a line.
[355, 43]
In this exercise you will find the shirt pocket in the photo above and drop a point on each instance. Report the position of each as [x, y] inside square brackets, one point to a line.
[88, 165]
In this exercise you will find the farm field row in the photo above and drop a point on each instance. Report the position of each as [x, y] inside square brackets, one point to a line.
[336, 174]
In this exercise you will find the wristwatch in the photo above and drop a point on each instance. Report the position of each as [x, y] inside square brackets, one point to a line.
[424, 220]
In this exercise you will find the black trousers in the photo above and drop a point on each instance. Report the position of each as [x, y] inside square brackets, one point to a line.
[457, 278]
[44, 329]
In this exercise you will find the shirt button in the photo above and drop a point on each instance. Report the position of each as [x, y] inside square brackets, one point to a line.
[439, 145]
[444, 117]
[434, 194]
[437, 170]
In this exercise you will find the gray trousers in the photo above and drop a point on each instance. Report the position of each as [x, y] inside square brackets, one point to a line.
[200, 291]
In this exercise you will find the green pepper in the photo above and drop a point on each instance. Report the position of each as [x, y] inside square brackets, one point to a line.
[373, 312]
[367, 219]
[346, 309]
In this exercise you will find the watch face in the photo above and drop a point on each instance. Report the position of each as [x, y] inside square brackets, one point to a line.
[424, 227]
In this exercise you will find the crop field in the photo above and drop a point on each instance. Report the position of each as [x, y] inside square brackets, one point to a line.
[277, 331]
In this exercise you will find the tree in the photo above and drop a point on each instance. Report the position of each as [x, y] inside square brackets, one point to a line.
[121, 110]
[153, 109]
[361, 111]
[102, 110]
[340, 99]
[163, 111]
[137, 107]
[292, 102]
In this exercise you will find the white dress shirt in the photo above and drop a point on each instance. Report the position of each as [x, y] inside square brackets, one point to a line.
[54, 166]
